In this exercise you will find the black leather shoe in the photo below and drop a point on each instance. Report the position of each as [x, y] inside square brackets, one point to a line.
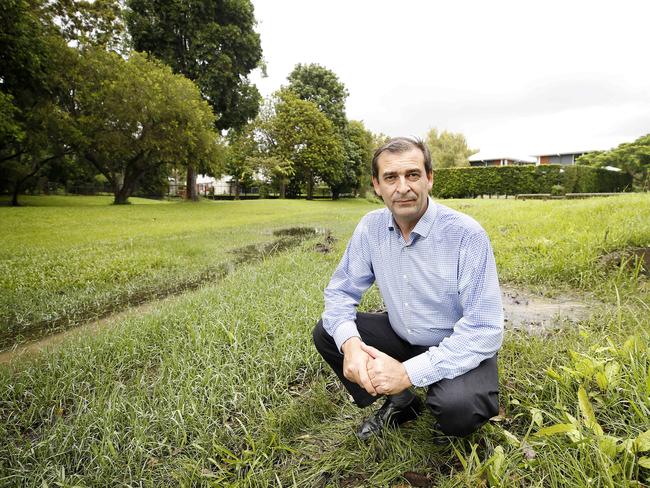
[389, 414]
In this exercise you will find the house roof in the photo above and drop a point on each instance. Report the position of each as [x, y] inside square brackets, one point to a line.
[524, 159]
[565, 153]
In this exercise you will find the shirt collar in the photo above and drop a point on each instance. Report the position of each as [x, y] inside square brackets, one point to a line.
[425, 224]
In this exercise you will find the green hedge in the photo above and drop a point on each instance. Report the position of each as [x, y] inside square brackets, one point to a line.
[513, 180]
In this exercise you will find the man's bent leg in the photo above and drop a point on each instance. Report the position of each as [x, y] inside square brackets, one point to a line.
[465, 403]
[375, 330]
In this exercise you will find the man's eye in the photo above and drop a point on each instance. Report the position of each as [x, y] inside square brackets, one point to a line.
[389, 178]
[413, 176]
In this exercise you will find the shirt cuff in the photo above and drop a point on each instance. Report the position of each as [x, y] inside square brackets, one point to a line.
[421, 370]
[344, 331]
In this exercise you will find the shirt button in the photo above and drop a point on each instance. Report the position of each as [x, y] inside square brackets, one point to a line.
[406, 304]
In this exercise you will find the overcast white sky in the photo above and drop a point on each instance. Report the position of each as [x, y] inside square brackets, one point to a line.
[516, 78]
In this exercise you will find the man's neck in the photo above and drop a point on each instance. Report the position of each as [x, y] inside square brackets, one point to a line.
[406, 227]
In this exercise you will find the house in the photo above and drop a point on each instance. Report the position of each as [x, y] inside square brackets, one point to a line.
[205, 185]
[565, 158]
[499, 161]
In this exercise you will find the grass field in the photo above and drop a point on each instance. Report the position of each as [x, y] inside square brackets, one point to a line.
[222, 387]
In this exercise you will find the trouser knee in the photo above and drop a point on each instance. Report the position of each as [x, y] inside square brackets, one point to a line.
[322, 340]
[463, 414]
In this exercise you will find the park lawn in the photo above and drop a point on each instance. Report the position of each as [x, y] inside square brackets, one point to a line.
[63, 265]
[222, 386]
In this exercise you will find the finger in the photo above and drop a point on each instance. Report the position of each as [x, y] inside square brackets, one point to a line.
[373, 352]
[366, 383]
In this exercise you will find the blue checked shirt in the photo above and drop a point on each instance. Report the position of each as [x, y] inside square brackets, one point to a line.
[440, 289]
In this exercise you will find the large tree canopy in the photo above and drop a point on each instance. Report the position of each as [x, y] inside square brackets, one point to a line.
[321, 86]
[448, 150]
[136, 115]
[303, 135]
[212, 42]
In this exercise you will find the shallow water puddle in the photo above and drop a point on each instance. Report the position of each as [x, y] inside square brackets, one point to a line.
[535, 314]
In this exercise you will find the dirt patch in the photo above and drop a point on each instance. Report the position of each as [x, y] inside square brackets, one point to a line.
[296, 232]
[532, 313]
[632, 258]
[326, 244]
[535, 314]
[287, 238]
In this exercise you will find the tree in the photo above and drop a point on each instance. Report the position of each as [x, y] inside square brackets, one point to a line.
[358, 151]
[448, 150]
[631, 157]
[136, 116]
[85, 23]
[322, 87]
[304, 135]
[213, 43]
[242, 156]
[33, 61]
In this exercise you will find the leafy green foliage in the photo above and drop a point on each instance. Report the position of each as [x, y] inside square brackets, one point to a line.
[136, 116]
[631, 157]
[89, 22]
[303, 135]
[357, 143]
[321, 86]
[211, 42]
[512, 180]
[448, 150]
[33, 61]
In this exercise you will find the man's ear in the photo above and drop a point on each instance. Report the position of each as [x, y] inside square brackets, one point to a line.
[375, 184]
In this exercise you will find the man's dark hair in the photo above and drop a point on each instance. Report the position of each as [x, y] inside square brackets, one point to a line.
[398, 145]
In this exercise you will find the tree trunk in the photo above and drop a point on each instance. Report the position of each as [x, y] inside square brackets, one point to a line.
[237, 189]
[310, 186]
[14, 196]
[190, 192]
[283, 188]
[122, 194]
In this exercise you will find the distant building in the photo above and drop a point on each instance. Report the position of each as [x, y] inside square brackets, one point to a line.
[566, 158]
[503, 161]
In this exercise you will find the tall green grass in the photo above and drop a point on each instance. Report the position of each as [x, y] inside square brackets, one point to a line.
[222, 387]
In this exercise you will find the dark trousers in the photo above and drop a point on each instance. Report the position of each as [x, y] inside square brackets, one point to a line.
[461, 405]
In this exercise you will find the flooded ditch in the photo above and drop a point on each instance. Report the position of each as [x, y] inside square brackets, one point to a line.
[285, 239]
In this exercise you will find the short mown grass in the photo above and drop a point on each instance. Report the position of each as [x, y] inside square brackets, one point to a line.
[222, 386]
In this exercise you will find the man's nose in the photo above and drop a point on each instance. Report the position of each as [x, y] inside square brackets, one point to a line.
[402, 185]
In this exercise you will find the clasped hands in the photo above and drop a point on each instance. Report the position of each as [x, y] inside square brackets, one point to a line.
[373, 370]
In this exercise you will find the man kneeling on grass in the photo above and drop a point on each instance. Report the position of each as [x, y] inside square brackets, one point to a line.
[435, 270]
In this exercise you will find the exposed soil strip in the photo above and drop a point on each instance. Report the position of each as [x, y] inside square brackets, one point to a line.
[286, 239]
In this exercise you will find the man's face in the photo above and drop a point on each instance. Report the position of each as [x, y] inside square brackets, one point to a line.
[403, 184]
